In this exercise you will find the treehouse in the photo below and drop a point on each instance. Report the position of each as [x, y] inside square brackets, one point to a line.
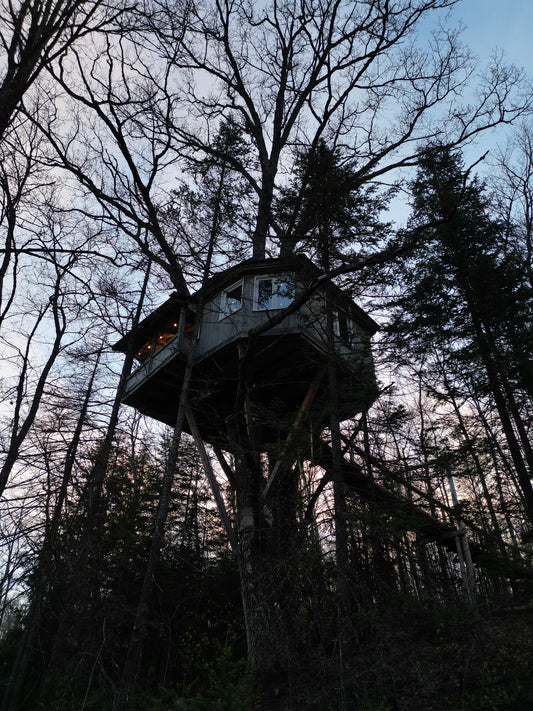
[240, 335]
[283, 362]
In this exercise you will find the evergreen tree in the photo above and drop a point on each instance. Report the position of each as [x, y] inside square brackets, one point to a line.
[328, 210]
[465, 297]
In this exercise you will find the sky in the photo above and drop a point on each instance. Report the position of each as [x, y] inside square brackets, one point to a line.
[497, 24]
[490, 25]
[506, 24]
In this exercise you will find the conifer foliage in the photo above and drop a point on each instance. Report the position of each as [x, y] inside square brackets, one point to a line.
[466, 300]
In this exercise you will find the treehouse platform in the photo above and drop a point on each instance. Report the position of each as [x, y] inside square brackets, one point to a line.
[240, 337]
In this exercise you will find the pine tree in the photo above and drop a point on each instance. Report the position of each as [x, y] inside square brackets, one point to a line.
[465, 296]
[328, 210]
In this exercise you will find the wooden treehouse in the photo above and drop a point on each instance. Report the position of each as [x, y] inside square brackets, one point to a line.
[285, 366]
[286, 376]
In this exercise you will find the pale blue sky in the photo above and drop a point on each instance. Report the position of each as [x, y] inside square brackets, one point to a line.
[488, 25]
[507, 24]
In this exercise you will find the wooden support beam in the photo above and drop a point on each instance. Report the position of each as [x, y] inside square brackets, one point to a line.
[463, 549]
[443, 534]
[310, 395]
[206, 462]
[230, 475]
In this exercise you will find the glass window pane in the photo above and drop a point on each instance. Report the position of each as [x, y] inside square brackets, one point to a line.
[264, 294]
[336, 325]
[234, 299]
[343, 326]
[285, 293]
[231, 300]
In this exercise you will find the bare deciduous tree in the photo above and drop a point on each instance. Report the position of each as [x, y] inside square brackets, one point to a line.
[33, 35]
[352, 73]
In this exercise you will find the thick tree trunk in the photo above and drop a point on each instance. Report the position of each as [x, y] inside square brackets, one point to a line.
[268, 542]
[267, 608]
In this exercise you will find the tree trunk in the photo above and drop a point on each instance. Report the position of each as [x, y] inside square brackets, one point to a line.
[45, 571]
[268, 551]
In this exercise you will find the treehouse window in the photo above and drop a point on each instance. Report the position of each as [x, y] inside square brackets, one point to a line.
[231, 300]
[166, 335]
[343, 326]
[160, 338]
[273, 292]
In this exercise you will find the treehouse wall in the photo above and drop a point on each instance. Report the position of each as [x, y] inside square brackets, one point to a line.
[233, 311]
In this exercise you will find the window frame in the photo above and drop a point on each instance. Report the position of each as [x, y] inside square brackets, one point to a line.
[344, 325]
[276, 280]
[224, 311]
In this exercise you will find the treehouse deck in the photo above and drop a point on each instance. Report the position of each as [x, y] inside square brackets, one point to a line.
[285, 357]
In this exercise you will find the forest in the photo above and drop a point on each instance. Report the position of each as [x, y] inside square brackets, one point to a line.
[266, 309]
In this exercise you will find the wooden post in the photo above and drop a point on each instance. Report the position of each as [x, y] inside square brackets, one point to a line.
[206, 462]
[463, 550]
[181, 324]
[304, 407]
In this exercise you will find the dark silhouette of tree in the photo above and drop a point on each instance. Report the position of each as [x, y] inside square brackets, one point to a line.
[349, 73]
[34, 35]
[329, 211]
[305, 107]
[466, 297]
